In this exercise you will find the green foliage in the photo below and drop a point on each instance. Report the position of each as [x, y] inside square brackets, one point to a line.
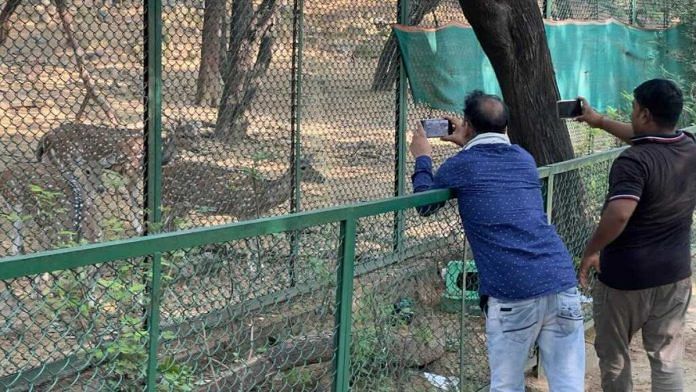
[113, 180]
[375, 327]
[298, 378]
[113, 314]
[423, 334]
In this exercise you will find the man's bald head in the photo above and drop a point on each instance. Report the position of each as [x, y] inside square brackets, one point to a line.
[486, 113]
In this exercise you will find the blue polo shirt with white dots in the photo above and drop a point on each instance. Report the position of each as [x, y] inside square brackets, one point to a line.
[517, 253]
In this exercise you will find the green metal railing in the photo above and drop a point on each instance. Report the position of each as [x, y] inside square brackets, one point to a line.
[145, 312]
[151, 248]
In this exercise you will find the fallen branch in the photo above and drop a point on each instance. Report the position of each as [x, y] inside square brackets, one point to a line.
[407, 350]
[66, 20]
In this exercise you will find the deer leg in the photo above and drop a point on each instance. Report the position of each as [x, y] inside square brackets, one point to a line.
[16, 240]
[135, 209]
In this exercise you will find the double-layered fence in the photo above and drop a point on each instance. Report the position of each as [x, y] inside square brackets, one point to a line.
[214, 196]
[214, 308]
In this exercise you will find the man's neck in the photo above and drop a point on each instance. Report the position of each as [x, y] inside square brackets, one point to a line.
[657, 131]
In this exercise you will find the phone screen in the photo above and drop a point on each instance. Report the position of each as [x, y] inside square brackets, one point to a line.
[569, 108]
[437, 127]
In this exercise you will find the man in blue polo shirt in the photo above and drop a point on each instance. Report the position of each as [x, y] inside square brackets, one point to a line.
[524, 269]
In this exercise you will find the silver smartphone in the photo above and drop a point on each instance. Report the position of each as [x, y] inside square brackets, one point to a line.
[437, 127]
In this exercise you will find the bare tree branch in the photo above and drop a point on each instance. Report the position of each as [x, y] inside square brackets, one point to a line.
[66, 20]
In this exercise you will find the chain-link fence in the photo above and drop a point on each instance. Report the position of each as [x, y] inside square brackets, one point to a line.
[267, 107]
[240, 308]
[288, 106]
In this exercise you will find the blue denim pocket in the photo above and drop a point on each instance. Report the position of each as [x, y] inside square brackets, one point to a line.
[517, 319]
[570, 316]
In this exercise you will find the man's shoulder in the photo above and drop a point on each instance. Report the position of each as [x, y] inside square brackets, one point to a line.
[635, 152]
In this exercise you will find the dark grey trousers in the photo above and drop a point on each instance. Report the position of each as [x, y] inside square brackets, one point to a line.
[659, 312]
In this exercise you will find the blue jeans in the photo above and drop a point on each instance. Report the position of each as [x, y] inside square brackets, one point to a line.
[555, 322]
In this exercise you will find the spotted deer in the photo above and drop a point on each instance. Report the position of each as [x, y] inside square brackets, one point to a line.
[210, 189]
[45, 206]
[119, 150]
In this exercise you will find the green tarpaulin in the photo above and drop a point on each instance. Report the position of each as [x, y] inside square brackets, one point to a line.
[600, 61]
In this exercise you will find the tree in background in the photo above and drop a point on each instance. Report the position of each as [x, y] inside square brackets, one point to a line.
[249, 54]
[512, 35]
[209, 86]
[387, 70]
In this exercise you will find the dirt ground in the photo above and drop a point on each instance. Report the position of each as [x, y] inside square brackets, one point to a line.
[639, 361]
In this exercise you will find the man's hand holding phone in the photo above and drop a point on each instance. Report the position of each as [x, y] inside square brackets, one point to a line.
[589, 115]
[462, 132]
[420, 146]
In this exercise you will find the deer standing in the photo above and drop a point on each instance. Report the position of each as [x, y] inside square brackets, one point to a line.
[214, 190]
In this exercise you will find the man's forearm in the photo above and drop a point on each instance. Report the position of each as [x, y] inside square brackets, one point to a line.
[422, 179]
[621, 130]
[611, 225]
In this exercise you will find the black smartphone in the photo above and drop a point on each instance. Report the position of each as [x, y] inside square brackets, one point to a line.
[569, 108]
[437, 127]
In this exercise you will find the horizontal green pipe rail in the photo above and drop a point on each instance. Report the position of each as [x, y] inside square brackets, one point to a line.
[16, 266]
[578, 163]
[60, 259]
[76, 363]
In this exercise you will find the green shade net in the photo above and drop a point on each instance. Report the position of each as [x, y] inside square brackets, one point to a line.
[599, 61]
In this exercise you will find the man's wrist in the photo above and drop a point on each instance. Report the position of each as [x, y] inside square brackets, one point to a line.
[600, 122]
[588, 252]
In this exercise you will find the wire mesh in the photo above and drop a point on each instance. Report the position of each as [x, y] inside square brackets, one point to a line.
[577, 201]
[250, 329]
[403, 339]
[71, 113]
[269, 107]
[78, 329]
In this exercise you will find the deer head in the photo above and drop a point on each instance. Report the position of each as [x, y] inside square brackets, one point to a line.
[308, 172]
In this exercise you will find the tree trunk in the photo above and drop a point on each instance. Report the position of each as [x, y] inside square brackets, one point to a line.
[248, 59]
[209, 87]
[512, 36]
[5, 15]
[387, 69]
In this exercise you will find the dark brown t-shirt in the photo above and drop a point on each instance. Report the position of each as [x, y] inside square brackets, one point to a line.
[654, 249]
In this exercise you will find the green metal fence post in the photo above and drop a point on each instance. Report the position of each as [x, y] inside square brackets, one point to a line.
[400, 140]
[153, 171]
[548, 9]
[344, 302]
[154, 321]
[549, 197]
[296, 126]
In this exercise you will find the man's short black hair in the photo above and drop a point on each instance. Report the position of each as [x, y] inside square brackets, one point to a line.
[663, 99]
[485, 112]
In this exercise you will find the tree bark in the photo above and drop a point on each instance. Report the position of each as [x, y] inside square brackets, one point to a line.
[209, 86]
[5, 15]
[249, 56]
[512, 36]
[387, 69]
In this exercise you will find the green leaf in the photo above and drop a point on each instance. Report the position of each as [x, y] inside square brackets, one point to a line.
[168, 335]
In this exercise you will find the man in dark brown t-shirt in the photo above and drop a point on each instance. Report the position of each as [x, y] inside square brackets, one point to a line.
[641, 247]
